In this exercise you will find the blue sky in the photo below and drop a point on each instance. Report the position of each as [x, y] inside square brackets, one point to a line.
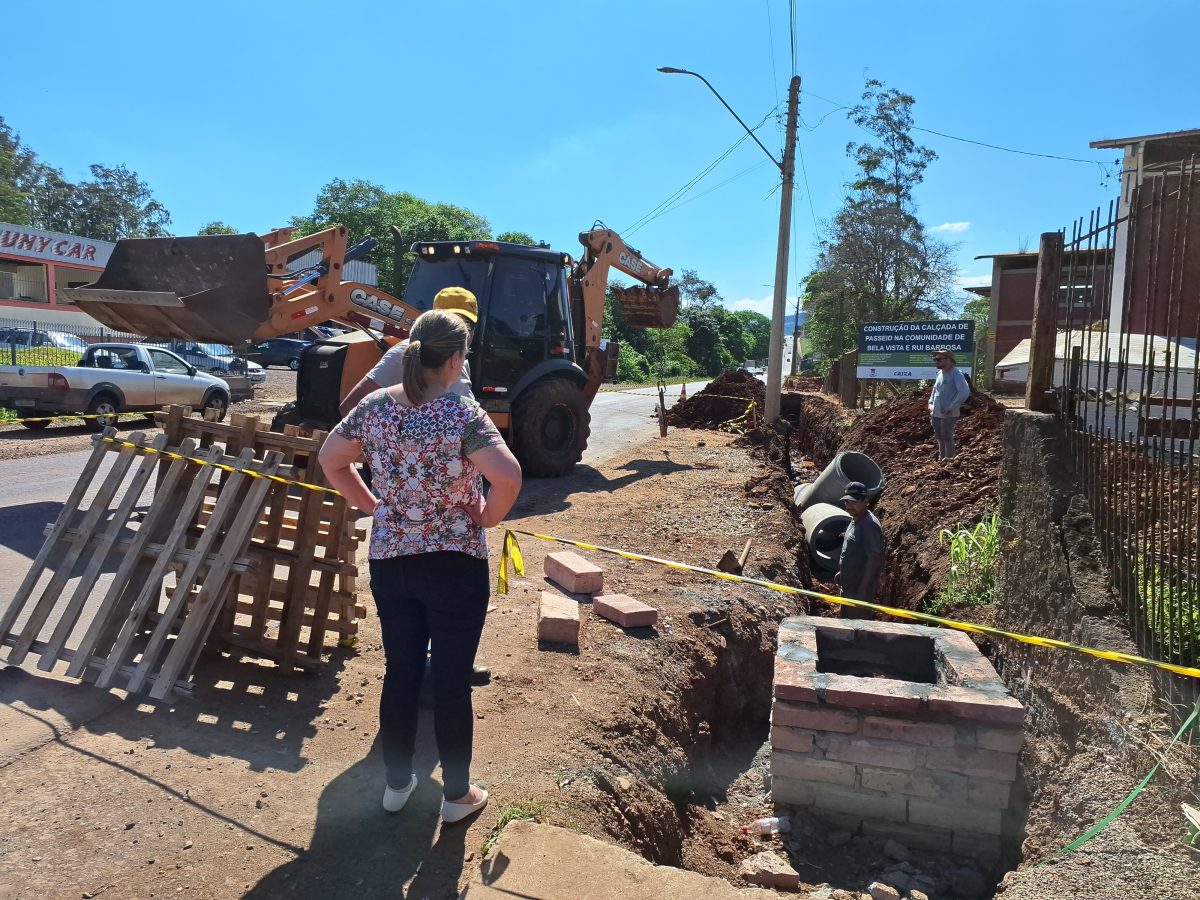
[546, 116]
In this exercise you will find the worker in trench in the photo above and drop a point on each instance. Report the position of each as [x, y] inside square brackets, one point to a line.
[860, 567]
[388, 373]
[950, 392]
[428, 449]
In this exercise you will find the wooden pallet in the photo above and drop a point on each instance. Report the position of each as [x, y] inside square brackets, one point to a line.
[131, 635]
[303, 586]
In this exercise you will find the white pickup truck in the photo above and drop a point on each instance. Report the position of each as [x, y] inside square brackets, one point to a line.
[108, 380]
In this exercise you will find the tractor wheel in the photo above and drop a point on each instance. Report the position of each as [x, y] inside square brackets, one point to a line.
[551, 425]
[104, 407]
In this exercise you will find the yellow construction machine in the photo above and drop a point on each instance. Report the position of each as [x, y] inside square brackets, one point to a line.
[538, 356]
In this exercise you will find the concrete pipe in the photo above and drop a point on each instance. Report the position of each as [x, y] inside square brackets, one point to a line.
[824, 527]
[800, 494]
[845, 468]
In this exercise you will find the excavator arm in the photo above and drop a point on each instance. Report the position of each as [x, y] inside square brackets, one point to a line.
[234, 288]
[654, 306]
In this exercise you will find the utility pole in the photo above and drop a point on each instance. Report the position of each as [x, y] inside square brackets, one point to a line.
[778, 308]
[796, 337]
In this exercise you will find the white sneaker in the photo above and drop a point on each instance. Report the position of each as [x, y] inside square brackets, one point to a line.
[456, 812]
[394, 800]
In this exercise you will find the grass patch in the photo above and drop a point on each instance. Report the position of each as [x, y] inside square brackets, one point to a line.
[7, 415]
[522, 811]
[1172, 610]
[974, 553]
[674, 379]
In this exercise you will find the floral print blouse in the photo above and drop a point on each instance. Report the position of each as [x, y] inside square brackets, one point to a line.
[420, 471]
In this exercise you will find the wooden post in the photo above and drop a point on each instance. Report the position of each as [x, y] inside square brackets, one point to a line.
[1044, 335]
[848, 378]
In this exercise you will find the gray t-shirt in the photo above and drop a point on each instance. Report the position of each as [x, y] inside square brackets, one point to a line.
[389, 372]
[863, 537]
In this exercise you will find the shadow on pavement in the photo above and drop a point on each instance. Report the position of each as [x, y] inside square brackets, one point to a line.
[541, 496]
[358, 850]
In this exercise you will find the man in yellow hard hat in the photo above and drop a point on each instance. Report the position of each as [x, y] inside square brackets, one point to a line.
[387, 372]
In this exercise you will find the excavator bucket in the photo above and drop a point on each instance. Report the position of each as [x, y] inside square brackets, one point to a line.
[648, 307]
[211, 288]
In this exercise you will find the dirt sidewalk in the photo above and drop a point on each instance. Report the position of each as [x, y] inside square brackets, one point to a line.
[270, 786]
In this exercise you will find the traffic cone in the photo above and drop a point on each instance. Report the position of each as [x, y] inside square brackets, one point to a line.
[683, 392]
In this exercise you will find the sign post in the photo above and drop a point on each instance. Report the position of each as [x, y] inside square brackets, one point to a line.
[903, 351]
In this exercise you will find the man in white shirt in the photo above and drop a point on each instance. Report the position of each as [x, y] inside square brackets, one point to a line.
[388, 372]
[950, 392]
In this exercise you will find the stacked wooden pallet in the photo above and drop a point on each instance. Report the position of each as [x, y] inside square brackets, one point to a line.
[129, 638]
[302, 584]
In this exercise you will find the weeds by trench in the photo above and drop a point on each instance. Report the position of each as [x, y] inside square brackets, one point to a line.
[974, 555]
[522, 811]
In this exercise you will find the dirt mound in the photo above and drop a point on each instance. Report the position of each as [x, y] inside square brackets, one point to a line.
[725, 398]
[923, 495]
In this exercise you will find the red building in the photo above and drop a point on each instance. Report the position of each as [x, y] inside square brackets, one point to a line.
[34, 264]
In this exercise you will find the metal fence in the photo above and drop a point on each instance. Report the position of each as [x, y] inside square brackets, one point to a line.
[26, 342]
[1125, 372]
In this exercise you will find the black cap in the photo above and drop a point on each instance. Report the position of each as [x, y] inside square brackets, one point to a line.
[855, 490]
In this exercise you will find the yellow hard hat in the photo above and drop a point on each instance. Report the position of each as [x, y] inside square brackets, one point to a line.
[458, 300]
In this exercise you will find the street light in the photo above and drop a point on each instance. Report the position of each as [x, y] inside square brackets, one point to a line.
[787, 169]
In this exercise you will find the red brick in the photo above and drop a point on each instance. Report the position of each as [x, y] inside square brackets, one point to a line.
[973, 763]
[808, 768]
[980, 706]
[867, 752]
[573, 573]
[883, 694]
[625, 611]
[791, 791]
[993, 794]
[814, 717]
[929, 734]
[1006, 740]
[783, 738]
[558, 619]
[946, 787]
[771, 870]
[793, 680]
[964, 817]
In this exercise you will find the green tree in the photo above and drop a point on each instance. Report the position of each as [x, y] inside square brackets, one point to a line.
[370, 209]
[217, 227]
[979, 310]
[115, 203]
[876, 261]
[757, 329]
[516, 237]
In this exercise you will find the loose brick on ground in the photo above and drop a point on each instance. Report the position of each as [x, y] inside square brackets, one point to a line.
[770, 870]
[558, 619]
[625, 611]
[573, 573]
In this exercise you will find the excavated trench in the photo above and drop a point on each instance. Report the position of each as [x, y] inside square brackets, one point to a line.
[679, 759]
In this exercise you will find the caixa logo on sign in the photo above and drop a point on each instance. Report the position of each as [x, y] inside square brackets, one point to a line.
[632, 263]
[378, 305]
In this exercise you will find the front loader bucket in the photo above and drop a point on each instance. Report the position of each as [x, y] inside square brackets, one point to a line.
[211, 288]
[648, 307]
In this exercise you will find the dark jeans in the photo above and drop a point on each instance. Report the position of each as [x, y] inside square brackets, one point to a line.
[943, 433]
[437, 600]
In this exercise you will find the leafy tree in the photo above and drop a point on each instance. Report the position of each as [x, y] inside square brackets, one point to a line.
[517, 237]
[876, 261]
[115, 203]
[369, 209]
[631, 365]
[217, 227]
[695, 292]
[979, 310]
[757, 329]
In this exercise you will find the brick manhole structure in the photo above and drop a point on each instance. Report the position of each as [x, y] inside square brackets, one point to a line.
[894, 730]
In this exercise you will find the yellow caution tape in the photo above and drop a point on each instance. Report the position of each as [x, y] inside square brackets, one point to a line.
[222, 466]
[64, 418]
[510, 555]
[1110, 655]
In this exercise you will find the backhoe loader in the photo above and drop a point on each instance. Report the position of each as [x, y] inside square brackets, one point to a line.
[537, 359]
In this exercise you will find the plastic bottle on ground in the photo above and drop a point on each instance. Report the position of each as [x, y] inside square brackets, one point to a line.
[768, 825]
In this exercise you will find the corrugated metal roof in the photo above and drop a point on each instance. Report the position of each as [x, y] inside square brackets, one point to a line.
[1095, 343]
[355, 270]
[1161, 136]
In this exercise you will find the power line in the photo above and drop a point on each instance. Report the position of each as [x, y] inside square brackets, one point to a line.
[755, 167]
[954, 137]
[678, 194]
[807, 189]
[792, 30]
[774, 73]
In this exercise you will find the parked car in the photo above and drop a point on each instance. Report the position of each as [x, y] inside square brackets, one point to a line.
[24, 338]
[278, 352]
[217, 359]
[110, 379]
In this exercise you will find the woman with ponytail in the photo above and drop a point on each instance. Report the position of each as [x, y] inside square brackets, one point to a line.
[427, 448]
